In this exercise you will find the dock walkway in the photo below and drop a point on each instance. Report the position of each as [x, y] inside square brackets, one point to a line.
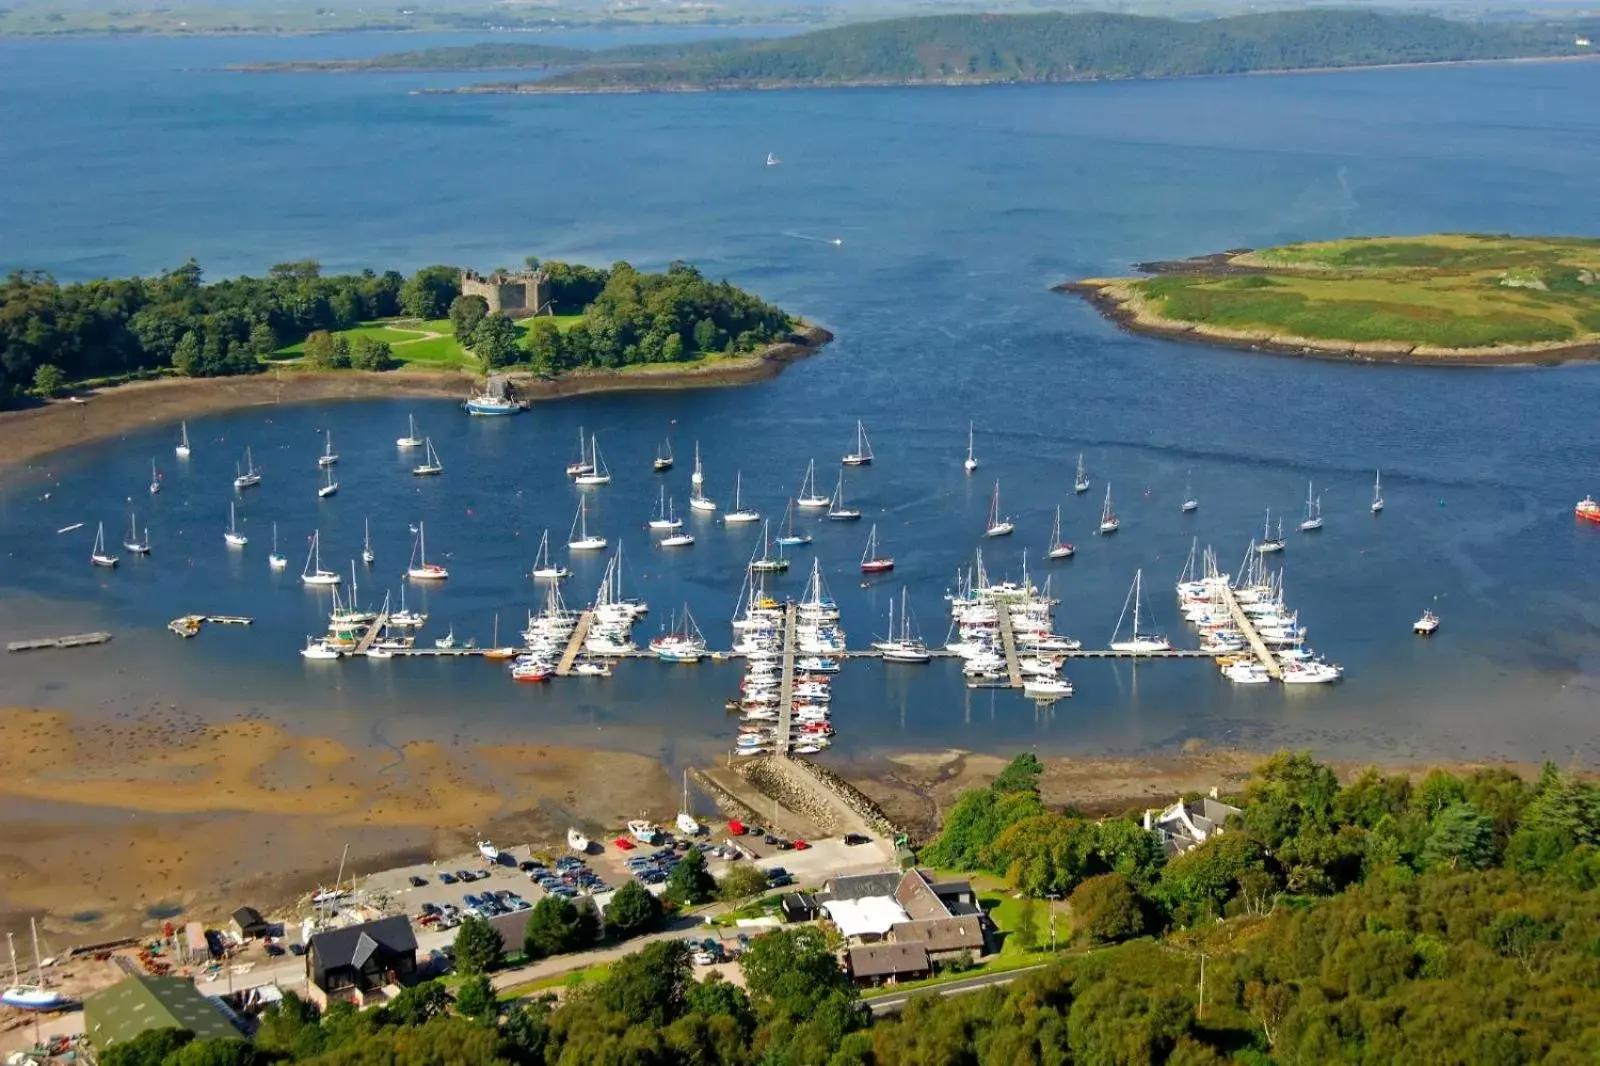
[1248, 628]
[1008, 643]
[75, 640]
[371, 634]
[785, 737]
[580, 633]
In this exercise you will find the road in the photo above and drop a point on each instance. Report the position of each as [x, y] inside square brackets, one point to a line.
[893, 1003]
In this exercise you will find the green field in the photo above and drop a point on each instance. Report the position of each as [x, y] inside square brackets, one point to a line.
[424, 344]
[1457, 291]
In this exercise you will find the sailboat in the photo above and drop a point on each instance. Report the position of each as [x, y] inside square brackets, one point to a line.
[33, 995]
[1080, 482]
[232, 537]
[1270, 543]
[972, 463]
[791, 539]
[1377, 492]
[420, 569]
[698, 500]
[997, 526]
[494, 650]
[133, 543]
[276, 561]
[367, 555]
[1059, 549]
[431, 465]
[664, 518]
[543, 568]
[1138, 643]
[837, 511]
[313, 573]
[328, 456]
[410, 440]
[582, 466]
[698, 477]
[98, 555]
[1189, 502]
[766, 562]
[740, 513]
[579, 539]
[329, 486]
[663, 459]
[249, 477]
[871, 561]
[902, 647]
[155, 478]
[182, 450]
[597, 474]
[686, 823]
[809, 496]
[773, 160]
[1109, 523]
[862, 456]
[1313, 519]
[678, 539]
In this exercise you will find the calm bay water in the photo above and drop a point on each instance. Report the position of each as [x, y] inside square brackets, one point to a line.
[957, 210]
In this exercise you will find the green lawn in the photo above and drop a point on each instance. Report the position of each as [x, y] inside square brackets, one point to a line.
[586, 975]
[410, 341]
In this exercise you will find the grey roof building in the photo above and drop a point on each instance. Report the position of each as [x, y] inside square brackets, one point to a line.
[352, 962]
[139, 1003]
[1190, 823]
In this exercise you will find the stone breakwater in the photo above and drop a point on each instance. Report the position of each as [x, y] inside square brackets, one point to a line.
[851, 797]
[728, 804]
[828, 801]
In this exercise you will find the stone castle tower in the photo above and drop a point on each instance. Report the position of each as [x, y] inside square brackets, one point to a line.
[514, 295]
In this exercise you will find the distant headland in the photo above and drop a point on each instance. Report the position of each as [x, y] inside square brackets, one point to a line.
[1458, 299]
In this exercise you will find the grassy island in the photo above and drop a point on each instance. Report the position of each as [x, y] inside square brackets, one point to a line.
[1441, 299]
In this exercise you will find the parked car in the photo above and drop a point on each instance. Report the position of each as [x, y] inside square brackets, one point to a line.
[799, 845]
[274, 950]
[623, 844]
[297, 949]
[852, 839]
[418, 882]
[447, 879]
[769, 839]
[529, 864]
[466, 876]
[784, 845]
[778, 876]
[430, 908]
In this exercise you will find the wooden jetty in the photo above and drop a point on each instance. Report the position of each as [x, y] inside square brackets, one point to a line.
[74, 640]
[1248, 628]
[785, 737]
[580, 633]
[365, 643]
[1008, 643]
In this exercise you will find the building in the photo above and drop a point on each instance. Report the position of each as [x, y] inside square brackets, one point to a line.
[248, 923]
[515, 295]
[362, 963]
[880, 964]
[908, 908]
[1190, 823]
[798, 907]
[944, 939]
[139, 1003]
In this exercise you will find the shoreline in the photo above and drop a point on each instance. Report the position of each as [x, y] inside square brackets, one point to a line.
[32, 433]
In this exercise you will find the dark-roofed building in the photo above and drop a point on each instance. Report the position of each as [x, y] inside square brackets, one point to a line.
[249, 924]
[918, 899]
[879, 964]
[1190, 823]
[859, 886]
[139, 1003]
[359, 961]
[798, 907]
[944, 938]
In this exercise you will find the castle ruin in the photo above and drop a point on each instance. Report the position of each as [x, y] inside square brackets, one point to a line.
[513, 295]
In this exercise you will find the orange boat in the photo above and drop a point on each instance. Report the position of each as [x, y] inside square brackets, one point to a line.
[1588, 510]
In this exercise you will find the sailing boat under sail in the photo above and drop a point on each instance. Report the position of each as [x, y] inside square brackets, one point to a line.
[420, 569]
[313, 573]
[871, 561]
[1109, 522]
[97, 554]
[1059, 549]
[862, 456]
[579, 539]
[997, 526]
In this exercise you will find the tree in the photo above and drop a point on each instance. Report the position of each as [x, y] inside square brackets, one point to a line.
[716, 995]
[649, 986]
[524, 1033]
[1462, 837]
[320, 350]
[633, 910]
[149, 1048]
[556, 927]
[494, 341]
[1027, 930]
[479, 947]
[741, 882]
[427, 293]
[417, 1004]
[263, 339]
[791, 972]
[1438, 790]
[369, 353]
[708, 338]
[290, 1026]
[465, 314]
[545, 349]
[1022, 774]
[1268, 1004]
[186, 355]
[48, 380]
[1106, 910]
[475, 997]
[1292, 793]
[223, 1052]
[690, 882]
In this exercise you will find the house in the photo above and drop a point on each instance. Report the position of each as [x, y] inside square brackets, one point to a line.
[359, 963]
[944, 939]
[908, 907]
[859, 886]
[866, 920]
[1190, 823]
[798, 907]
[248, 923]
[138, 1003]
[879, 964]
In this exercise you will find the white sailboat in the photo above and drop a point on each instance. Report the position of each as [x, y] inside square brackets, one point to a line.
[1313, 519]
[133, 543]
[430, 466]
[597, 474]
[410, 440]
[699, 476]
[1109, 522]
[249, 477]
[97, 554]
[1138, 643]
[680, 539]
[329, 486]
[862, 456]
[972, 463]
[871, 561]
[837, 511]
[182, 450]
[663, 459]
[997, 526]
[328, 456]
[420, 569]
[809, 497]
[367, 555]
[543, 568]
[1190, 504]
[664, 516]
[1059, 549]
[773, 160]
[30, 995]
[582, 466]
[578, 539]
[740, 513]
[1377, 492]
[686, 823]
[276, 561]
[313, 573]
[902, 646]
[155, 478]
[232, 537]
[766, 562]
[1080, 482]
[1270, 543]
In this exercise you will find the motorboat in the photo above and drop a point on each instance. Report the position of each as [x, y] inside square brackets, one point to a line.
[1427, 625]
[644, 832]
[1311, 673]
[319, 649]
[1587, 510]
[490, 404]
[577, 841]
[489, 852]
[1246, 673]
[1052, 688]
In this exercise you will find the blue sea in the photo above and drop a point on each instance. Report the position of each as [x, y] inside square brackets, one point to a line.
[925, 227]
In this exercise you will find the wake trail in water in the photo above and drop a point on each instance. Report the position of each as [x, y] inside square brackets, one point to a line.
[835, 241]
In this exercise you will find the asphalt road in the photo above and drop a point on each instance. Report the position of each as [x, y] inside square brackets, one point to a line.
[893, 1003]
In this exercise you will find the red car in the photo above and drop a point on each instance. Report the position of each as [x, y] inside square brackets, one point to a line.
[799, 845]
[736, 827]
[623, 844]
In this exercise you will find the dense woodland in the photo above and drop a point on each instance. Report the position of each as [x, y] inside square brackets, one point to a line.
[1455, 919]
[53, 334]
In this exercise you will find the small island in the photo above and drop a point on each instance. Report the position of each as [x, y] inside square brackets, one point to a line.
[1457, 299]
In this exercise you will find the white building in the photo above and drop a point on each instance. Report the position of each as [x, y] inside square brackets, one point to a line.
[1190, 823]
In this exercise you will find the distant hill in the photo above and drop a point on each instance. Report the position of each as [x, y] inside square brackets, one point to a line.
[984, 49]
